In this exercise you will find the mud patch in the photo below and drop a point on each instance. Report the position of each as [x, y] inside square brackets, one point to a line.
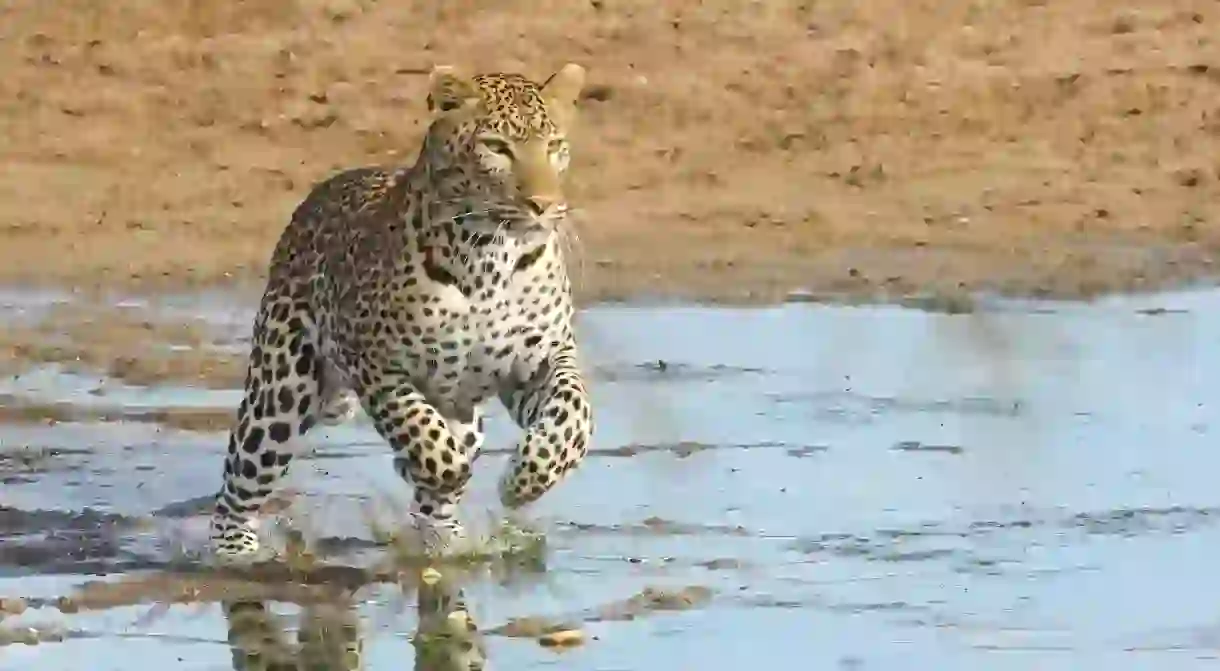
[131, 344]
[25, 464]
[917, 446]
[855, 408]
[936, 543]
[671, 371]
[656, 526]
[688, 448]
[43, 542]
[16, 409]
[649, 600]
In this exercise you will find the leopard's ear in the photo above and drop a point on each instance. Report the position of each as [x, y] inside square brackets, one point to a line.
[564, 87]
[449, 89]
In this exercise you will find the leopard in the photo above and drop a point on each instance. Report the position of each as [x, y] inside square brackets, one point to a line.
[419, 294]
[328, 636]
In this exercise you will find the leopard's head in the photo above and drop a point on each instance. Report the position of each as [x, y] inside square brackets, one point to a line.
[498, 145]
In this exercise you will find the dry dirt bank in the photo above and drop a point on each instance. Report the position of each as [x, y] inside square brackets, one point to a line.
[732, 149]
[730, 146]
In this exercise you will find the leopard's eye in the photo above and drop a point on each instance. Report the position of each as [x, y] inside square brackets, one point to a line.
[497, 146]
[556, 146]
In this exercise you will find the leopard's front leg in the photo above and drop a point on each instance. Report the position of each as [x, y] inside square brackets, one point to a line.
[427, 454]
[552, 405]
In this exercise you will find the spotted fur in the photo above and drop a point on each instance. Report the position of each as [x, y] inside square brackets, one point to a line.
[419, 293]
[329, 635]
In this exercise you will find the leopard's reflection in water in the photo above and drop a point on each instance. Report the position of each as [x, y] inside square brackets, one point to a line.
[329, 637]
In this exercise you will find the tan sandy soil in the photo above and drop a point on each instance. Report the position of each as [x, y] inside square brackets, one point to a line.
[731, 150]
[731, 147]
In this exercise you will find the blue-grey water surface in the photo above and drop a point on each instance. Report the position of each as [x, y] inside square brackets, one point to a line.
[1027, 486]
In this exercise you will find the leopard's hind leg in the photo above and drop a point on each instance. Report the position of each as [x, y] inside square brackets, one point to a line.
[281, 402]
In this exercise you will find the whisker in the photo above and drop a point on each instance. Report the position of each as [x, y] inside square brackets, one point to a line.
[454, 219]
[573, 246]
[500, 235]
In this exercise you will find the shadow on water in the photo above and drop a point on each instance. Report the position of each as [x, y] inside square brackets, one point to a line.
[1027, 485]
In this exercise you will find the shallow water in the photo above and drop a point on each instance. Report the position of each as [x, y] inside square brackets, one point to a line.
[1028, 486]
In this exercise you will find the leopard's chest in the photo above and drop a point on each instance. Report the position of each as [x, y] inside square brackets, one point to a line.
[461, 335]
[467, 349]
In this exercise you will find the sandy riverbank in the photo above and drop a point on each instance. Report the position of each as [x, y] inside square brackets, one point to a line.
[731, 151]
